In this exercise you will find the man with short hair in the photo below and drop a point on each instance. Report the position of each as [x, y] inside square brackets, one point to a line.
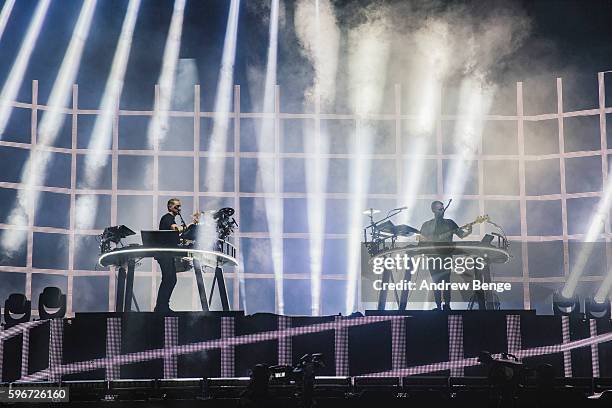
[166, 263]
[168, 222]
[440, 229]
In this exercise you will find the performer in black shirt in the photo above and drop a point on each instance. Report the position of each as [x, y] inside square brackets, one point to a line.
[440, 229]
[166, 263]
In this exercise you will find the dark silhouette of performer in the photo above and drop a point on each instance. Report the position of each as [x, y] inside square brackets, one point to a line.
[440, 229]
[256, 394]
[166, 263]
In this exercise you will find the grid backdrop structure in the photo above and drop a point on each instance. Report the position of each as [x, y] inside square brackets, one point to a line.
[550, 179]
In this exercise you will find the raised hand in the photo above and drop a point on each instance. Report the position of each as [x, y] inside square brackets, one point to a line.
[196, 217]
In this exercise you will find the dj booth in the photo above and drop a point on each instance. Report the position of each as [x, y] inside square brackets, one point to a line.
[189, 250]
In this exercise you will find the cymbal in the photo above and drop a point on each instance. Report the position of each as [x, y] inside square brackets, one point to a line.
[370, 211]
[398, 230]
[207, 211]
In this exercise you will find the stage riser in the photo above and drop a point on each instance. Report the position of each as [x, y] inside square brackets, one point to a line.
[195, 345]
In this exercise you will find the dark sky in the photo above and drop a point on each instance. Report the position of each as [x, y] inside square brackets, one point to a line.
[569, 39]
[581, 30]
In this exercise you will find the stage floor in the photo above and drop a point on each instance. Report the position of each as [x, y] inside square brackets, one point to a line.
[112, 346]
[414, 391]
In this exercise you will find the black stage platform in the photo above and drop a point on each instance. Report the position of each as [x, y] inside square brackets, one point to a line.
[422, 349]
[414, 391]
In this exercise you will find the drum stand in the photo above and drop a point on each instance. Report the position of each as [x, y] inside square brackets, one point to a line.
[198, 270]
[124, 292]
[485, 301]
[218, 279]
[402, 301]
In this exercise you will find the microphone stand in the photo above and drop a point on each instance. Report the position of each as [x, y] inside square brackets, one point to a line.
[182, 222]
[390, 214]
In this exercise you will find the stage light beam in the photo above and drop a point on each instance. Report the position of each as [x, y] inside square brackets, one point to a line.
[317, 29]
[216, 161]
[35, 169]
[101, 136]
[432, 42]
[596, 225]
[7, 8]
[215, 164]
[15, 77]
[474, 103]
[368, 55]
[158, 126]
[266, 167]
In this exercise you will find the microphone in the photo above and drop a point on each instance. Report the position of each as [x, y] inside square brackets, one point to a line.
[400, 208]
[448, 205]
[182, 220]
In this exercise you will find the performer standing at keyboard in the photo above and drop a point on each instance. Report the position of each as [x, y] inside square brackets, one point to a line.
[440, 229]
[166, 263]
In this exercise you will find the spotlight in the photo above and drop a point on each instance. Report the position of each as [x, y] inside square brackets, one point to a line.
[51, 298]
[17, 304]
[565, 306]
[113, 235]
[597, 310]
